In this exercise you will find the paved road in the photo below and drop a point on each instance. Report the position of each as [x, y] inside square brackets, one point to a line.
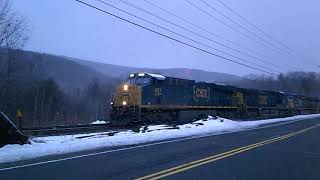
[290, 151]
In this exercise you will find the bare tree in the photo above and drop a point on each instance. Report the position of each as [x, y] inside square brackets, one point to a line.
[13, 31]
[13, 36]
[13, 27]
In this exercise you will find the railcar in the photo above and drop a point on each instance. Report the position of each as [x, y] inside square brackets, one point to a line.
[154, 98]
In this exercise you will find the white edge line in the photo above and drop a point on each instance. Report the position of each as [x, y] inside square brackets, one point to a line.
[145, 145]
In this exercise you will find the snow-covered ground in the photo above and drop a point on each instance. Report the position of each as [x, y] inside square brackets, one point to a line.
[42, 146]
[99, 122]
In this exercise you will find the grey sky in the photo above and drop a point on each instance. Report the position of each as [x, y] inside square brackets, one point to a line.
[65, 27]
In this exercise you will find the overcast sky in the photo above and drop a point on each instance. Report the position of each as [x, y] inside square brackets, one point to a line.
[65, 27]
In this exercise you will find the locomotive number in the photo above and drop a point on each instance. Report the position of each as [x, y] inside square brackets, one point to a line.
[157, 91]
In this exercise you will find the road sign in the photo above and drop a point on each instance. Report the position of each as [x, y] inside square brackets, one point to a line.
[19, 114]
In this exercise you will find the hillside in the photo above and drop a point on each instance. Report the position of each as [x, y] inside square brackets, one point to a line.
[51, 90]
[123, 71]
[76, 73]
[27, 65]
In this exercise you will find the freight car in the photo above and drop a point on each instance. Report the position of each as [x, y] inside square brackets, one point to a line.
[154, 98]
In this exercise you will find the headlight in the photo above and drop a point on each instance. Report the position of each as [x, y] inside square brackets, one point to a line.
[111, 103]
[125, 87]
[124, 103]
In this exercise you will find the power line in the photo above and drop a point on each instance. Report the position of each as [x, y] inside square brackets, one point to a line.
[172, 38]
[197, 7]
[257, 28]
[240, 26]
[172, 23]
[253, 25]
[213, 34]
[227, 25]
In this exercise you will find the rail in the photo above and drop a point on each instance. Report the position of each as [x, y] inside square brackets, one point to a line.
[72, 129]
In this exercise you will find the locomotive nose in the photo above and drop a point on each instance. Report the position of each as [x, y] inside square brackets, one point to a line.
[126, 95]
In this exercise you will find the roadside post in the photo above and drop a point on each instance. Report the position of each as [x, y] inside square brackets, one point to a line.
[19, 118]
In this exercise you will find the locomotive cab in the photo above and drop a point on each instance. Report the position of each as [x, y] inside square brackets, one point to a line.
[140, 79]
[126, 101]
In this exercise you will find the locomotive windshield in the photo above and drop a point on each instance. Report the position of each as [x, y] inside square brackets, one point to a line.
[139, 80]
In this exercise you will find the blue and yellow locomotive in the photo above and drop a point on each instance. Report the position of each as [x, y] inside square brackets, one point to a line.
[154, 98]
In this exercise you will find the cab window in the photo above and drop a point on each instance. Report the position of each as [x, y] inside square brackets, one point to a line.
[143, 81]
[139, 81]
[131, 81]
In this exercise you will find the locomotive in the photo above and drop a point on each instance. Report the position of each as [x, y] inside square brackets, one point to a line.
[154, 98]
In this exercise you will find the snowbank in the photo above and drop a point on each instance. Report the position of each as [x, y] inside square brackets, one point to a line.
[99, 122]
[42, 146]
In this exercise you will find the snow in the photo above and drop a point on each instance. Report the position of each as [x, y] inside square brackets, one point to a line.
[99, 122]
[219, 84]
[157, 76]
[42, 146]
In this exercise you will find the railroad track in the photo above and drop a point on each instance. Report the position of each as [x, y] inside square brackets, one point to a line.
[77, 129]
[73, 129]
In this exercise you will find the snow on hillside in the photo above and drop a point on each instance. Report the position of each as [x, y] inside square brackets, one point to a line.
[42, 146]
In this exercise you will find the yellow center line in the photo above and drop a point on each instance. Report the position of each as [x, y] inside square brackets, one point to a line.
[203, 161]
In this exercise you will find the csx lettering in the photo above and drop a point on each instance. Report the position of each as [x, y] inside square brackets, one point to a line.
[202, 93]
[263, 100]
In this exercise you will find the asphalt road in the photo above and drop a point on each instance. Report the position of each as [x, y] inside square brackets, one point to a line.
[290, 151]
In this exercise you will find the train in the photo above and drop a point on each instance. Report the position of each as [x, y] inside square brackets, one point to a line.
[149, 98]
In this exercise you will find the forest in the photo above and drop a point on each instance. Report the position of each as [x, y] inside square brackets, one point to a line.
[45, 99]
[299, 82]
